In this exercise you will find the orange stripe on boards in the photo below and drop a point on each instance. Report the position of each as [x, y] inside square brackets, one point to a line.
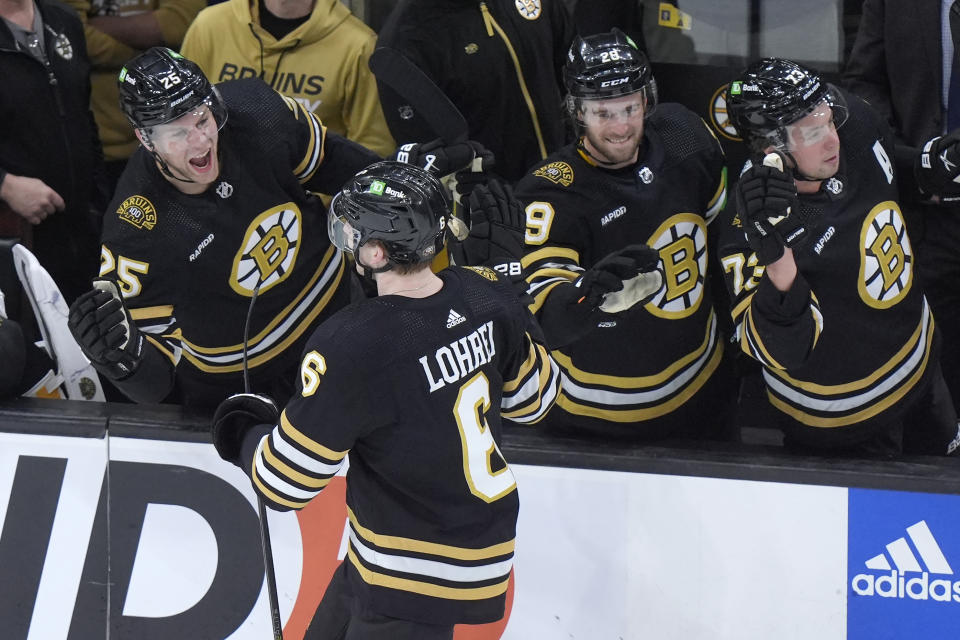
[321, 530]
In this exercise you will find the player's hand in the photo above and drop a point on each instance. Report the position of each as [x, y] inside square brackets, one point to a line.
[616, 283]
[769, 208]
[30, 198]
[463, 182]
[235, 416]
[438, 157]
[621, 279]
[938, 167]
[497, 226]
[102, 327]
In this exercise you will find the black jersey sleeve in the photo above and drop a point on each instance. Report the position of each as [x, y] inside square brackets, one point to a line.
[322, 160]
[333, 407]
[780, 330]
[531, 377]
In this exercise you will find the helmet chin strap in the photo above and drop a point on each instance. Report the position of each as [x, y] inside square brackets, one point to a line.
[368, 272]
[795, 172]
[164, 167]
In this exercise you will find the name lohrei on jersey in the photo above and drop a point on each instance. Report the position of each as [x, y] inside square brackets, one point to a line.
[460, 358]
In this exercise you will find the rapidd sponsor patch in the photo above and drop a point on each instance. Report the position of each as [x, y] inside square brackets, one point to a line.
[139, 212]
[557, 172]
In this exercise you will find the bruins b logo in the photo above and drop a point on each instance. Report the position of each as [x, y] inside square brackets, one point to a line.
[886, 257]
[682, 243]
[269, 250]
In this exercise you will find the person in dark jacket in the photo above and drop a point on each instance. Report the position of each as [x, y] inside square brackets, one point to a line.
[498, 61]
[911, 89]
[50, 155]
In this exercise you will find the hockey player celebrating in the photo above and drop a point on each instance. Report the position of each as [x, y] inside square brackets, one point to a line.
[634, 194]
[822, 275]
[214, 238]
[413, 384]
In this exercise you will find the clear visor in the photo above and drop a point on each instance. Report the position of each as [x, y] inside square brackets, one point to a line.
[203, 122]
[823, 121]
[631, 109]
[342, 235]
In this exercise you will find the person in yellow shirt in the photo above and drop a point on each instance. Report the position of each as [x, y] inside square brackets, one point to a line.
[314, 51]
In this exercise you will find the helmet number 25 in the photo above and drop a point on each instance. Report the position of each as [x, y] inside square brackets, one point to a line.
[170, 80]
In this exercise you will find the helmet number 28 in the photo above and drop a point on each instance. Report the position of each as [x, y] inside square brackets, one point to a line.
[609, 56]
[170, 80]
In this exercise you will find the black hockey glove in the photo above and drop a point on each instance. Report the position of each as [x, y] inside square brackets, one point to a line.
[102, 327]
[497, 226]
[768, 205]
[621, 279]
[616, 283]
[235, 416]
[440, 158]
[938, 167]
[463, 182]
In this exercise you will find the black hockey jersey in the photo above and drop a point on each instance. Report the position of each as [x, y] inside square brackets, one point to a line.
[854, 335]
[646, 362]
[188, 265]
[415, 389]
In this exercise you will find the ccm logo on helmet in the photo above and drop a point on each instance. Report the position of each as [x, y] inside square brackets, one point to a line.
[613, 83]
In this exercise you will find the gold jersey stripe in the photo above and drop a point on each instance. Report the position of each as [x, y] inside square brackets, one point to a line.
[756, 342]
[549, 253]
[150, 313]
[525, 368]
[432, 548]
[426, 588]
[842, 421]
[273, 497]
[289, 472]
[637, 382]
[162, 348]
[649, 413]
[282, 315]
[877, 374]
[292, 433]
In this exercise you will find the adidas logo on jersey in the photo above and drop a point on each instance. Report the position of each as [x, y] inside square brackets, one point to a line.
[897, 583]
[454, 319]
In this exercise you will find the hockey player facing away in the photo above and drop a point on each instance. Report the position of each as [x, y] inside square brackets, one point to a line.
[639, 187]
[413, 384]
[214, 238]
[821, 272]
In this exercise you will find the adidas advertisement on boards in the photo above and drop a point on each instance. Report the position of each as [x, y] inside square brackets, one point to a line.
[903, 565]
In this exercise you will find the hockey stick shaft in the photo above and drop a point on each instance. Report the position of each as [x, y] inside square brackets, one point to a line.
[265, 546]
[407, 80]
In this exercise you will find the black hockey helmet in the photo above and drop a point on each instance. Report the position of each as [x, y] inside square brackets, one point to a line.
[159, 85]
[401, 205]
[607, 65]
[774, 93]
